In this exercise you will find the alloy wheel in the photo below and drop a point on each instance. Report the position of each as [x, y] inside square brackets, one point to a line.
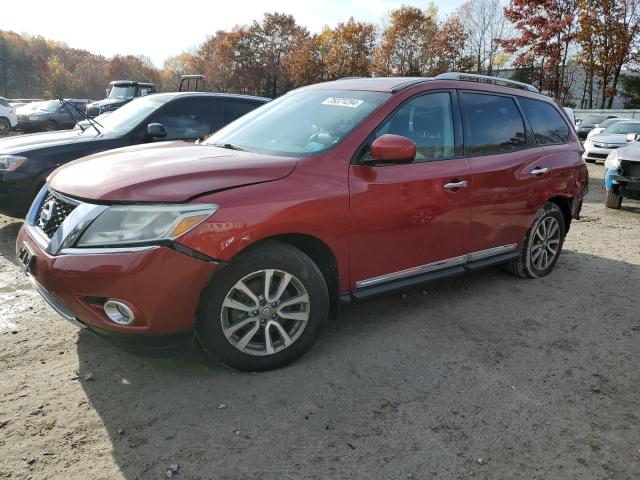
[546, 243]
[265, 312]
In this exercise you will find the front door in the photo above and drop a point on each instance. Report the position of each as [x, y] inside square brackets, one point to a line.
[411, 215]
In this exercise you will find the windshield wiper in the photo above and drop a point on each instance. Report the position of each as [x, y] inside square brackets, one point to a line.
[91, 121]
[229, 146]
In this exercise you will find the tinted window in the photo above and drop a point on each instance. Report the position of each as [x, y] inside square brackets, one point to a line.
[428, 122]
[185, 119]
[493, 124]
[547, 123]
[3, 102]
[233, 110]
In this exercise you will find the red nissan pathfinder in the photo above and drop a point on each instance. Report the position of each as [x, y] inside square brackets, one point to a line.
[332, 193]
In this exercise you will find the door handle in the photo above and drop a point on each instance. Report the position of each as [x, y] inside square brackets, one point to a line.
[454, 185]
[539, 171]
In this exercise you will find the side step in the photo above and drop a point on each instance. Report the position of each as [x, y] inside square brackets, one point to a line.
[367, 292]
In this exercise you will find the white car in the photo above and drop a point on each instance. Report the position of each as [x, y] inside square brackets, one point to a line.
[599, 146]
[8, 118]
[601, 127]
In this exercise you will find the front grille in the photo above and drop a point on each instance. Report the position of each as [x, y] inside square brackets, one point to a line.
[597, 155]
[51, 213]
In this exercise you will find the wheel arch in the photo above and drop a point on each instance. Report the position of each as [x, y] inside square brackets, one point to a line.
[321, 254]
[564, 204]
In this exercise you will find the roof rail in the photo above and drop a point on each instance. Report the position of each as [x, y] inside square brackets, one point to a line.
[471, 77]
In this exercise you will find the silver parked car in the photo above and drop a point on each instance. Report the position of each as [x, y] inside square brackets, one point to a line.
[599, 146]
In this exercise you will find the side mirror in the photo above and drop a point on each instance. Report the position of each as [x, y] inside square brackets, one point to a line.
[391, 148]
[156, 130]
[632, 137]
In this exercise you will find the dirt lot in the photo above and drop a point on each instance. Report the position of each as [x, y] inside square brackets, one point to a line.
[484, 376]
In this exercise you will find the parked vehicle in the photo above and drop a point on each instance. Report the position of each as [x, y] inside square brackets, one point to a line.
[599, 146]
[571, 115]
[601, 127]
[50, 115]
[27, 160]
[622, 177]
[120, 93]
[8, 119]
[585, 125]
[334, 192]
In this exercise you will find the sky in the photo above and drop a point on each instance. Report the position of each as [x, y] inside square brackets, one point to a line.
[162, 28]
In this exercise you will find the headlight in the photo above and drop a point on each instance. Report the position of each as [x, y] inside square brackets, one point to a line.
[9, 163]
[612, 161]
[130, 224]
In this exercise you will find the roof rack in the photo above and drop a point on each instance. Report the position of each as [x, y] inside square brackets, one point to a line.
[471, 77]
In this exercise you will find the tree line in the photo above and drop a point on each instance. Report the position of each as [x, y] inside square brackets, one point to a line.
[561, 46]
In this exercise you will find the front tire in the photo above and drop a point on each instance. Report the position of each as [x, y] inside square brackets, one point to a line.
[543, 244]
[5, 126]
[50, 126]
[263, 310]
[613, 200]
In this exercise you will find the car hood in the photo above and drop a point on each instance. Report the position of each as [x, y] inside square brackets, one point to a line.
[617, 138]
[630, 152]
[23, 143]
[165, 172]
[109, 101]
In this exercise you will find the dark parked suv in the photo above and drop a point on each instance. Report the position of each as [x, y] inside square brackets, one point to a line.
[27, 160]
[332, 193]
[119, 93]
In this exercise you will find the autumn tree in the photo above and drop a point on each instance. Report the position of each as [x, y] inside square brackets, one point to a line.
[58, 81]
[609, 36]
[546, 29]
[350, 49]
[407, 42]
[485, 26]
[174, 67]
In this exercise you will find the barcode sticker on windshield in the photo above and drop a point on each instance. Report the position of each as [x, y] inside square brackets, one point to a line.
[343, 102]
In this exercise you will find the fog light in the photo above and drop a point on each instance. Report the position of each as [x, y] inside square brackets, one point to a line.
[118, 312]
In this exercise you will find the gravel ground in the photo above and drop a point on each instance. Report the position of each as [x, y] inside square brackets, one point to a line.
[483, 376]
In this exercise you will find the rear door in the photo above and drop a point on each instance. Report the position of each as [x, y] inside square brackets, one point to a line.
[510, 172]
[405, 218]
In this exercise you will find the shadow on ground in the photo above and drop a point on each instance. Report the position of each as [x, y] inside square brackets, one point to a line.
[8, 234]
[484, 366]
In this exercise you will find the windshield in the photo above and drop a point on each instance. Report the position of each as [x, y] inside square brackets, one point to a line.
[302, 123]
[593, 120]
[623, 127]
[609, 122]
[130, 115]
[122, 91]
[48, 106]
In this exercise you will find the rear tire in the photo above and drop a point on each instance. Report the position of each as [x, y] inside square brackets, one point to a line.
[613, 199]
[252, 327]
[5, 126]
[543, 244]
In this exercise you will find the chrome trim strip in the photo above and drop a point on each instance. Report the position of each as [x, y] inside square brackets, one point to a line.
[490, 252]
[54, 303]
[73, 226]
[101, 251]
[439, 265]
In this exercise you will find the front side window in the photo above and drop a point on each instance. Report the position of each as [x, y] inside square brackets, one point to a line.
[493, 124]
[548, 125]
[300, 123]
[427, 121]
[185, 119]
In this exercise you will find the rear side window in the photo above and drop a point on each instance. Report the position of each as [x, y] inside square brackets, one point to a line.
[493, 124]
[233, 110]
[548, 125]
[3, 102]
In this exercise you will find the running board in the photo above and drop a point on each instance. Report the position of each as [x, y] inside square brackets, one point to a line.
[363, 293]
